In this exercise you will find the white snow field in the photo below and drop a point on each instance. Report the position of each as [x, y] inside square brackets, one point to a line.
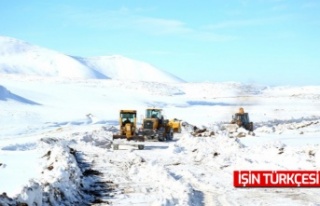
[56, 137]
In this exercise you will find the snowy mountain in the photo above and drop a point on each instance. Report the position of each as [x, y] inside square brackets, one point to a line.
[122, 68]
[18, 57]
[22, 58]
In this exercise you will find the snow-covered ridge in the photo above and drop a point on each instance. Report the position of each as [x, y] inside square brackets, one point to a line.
[119, 67]
[18, 57]
[22, 58]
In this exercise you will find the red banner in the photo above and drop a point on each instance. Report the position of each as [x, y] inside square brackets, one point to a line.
[282, 178]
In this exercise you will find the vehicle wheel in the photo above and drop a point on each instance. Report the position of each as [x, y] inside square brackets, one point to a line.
[161, 135]
[115, 147]
[161, 138]
[251, 127]
[170, 135]
[140, 146]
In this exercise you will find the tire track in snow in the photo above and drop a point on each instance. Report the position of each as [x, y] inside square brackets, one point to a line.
[92, 182]
[113, 171]
[133, 180]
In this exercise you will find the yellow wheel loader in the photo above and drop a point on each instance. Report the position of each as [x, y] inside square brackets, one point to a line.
[128, 130]
[156, 128]
[240, 120]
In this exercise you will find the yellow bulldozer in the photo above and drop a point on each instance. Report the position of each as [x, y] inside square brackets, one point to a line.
[240, 120]
[128, 130]
[156, 128]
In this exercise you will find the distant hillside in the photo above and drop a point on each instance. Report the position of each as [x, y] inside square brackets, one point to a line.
[18, 57]
[122, 68]
[21, 58]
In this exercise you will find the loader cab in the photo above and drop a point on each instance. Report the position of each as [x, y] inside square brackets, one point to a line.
[128, 115]
[153, 119]
[243, 118]
[153, 113]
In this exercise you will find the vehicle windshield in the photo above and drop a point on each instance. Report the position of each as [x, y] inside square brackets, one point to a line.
[153, 113]
[130, 116]
[244, 118]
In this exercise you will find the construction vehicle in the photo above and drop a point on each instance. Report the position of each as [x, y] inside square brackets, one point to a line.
[128, 130]
[240, 120]
[156, 128]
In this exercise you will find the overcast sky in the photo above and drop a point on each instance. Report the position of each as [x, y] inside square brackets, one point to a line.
[273, 42]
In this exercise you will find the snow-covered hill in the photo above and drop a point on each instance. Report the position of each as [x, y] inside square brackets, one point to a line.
[122, 68]
[21, 58]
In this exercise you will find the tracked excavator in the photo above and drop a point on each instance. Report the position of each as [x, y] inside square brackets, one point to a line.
[239, 120]
[156, 128]
[128, 131]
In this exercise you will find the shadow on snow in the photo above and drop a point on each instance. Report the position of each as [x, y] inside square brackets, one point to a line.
[5, 95]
